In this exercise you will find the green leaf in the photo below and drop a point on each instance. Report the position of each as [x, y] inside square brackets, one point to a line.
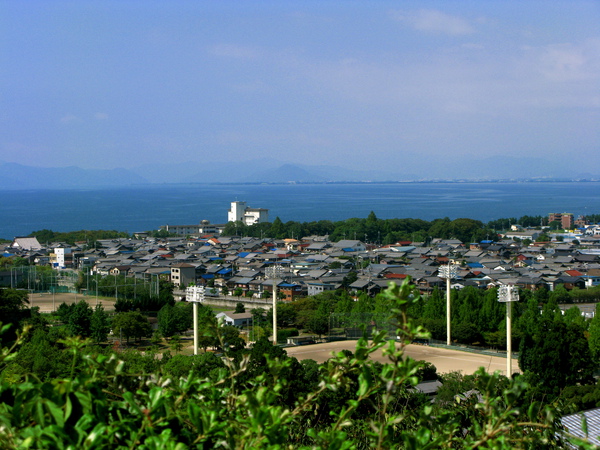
[365, 381]
[56, 412]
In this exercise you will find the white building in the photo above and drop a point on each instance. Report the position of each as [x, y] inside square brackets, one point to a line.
[60, 256]
[239, 211]
[205, 227]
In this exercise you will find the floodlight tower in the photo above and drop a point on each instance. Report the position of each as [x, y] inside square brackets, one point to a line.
[195, 295]
[508, 294]
[274, 273]
[448, 272]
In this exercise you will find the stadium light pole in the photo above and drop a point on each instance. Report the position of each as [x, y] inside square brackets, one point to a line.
[274, 273]
[195, 294]
[508, 294]
[96, 281]
[448, 272]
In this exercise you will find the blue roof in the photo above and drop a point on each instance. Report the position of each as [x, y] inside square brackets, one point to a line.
[243, 254]
[224, 271]
[348, 249]
[475, 265]
[207, 276]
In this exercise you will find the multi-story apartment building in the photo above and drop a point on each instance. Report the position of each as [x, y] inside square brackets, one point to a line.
[565, 219]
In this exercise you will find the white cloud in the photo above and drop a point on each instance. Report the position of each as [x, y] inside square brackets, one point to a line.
[434, 21]
[69, 118]
[569, 62]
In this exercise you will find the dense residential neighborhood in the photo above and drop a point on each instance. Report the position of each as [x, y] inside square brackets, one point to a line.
[331, 290]
[313, 264]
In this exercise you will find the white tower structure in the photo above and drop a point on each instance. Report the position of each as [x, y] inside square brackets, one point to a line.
[236, 212]
[448, 272]
[239, 211]
[195, 294]
[508, 294]
[274, 273]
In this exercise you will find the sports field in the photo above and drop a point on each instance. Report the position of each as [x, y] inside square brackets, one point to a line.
[445, 360]
[48, 302]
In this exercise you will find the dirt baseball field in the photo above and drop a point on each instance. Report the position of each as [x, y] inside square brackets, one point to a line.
[48, 302]
[444, 360]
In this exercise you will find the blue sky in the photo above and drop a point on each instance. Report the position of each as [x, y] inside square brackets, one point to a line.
[367, 84]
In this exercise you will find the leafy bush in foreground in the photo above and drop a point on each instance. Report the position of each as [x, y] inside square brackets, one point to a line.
[103, 404]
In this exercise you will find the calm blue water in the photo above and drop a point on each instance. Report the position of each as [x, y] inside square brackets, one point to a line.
[147, 208]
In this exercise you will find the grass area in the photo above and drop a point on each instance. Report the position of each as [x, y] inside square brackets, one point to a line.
[218, 309]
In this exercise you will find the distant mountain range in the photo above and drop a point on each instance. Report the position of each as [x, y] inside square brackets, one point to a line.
[17, 176]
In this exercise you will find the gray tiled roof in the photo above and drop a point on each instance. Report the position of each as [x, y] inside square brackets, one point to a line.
[572, 423]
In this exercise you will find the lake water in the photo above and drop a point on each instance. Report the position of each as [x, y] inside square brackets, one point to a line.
[148, 207]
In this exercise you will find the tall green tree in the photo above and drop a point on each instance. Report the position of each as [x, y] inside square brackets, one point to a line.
[167, 321]
[13, 309]
[99, 325]
[435, 305]
[594, 334]
[175, 319]
[131, 324]
[79, 319]
[556, 355]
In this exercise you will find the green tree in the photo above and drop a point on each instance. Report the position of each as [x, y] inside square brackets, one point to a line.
[556, 355]
[99, 325]
[277, 229]
[230, 340]
[240, 308]
[350, 278]
[318, 323]
[13, 309]
[80, 319]
[435, 305]
[132, 325]
[286, 314]
[560, 295]
[349, 402]
[202, 366]
[167, 321]
[175, 319]
[175, 343]
[594, 333]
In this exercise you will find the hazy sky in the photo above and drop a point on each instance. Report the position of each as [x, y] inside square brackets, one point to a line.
[358, 84]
